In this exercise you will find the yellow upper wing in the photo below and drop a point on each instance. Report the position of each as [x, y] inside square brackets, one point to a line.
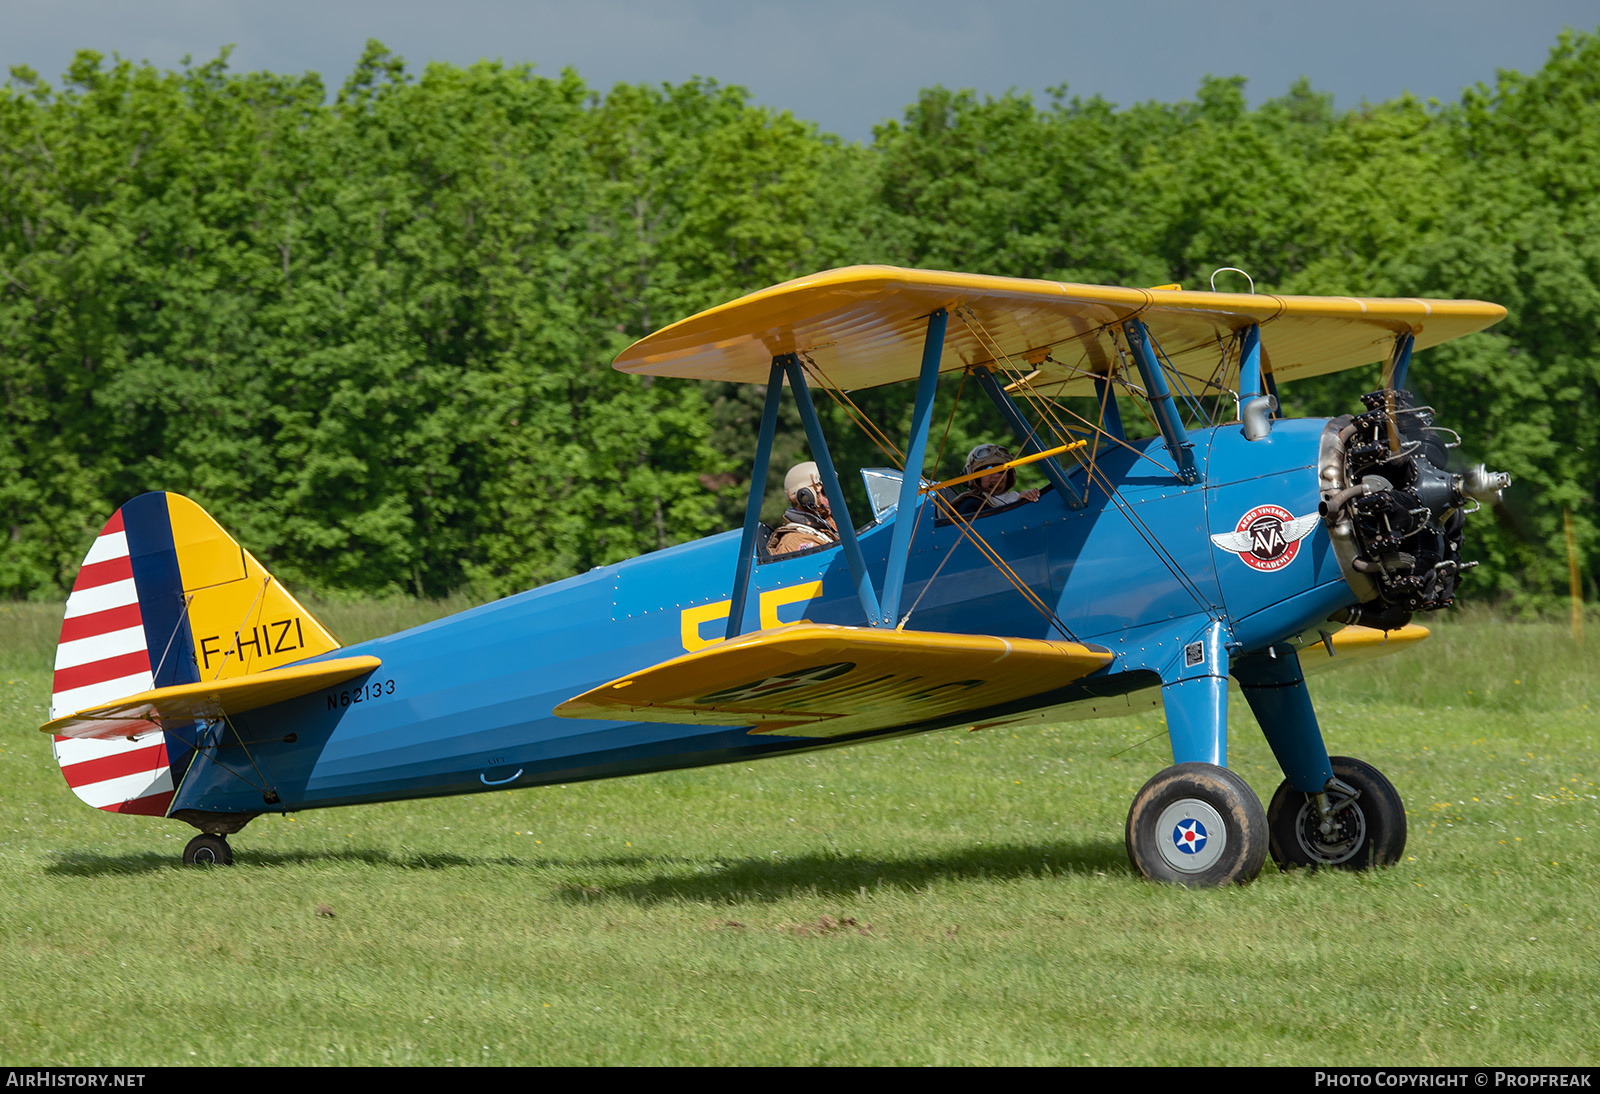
[864, 326]
[819, 680]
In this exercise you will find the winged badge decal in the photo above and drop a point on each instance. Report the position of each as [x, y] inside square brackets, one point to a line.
[1267, 537]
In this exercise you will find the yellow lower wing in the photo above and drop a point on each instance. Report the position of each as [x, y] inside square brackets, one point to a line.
[1353, 644]
[815, 680]
[149, 711]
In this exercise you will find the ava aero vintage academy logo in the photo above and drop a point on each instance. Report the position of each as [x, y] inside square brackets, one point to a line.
[1267, 537]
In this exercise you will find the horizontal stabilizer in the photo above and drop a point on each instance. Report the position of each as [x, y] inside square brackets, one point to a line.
[1353, 644]
[150, 711]
[816, 680]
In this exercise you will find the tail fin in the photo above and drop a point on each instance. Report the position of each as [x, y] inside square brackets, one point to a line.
[164, 597]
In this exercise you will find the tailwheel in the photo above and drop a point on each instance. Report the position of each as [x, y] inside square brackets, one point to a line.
[208, 850]
[1362, 822]
[1198, 825]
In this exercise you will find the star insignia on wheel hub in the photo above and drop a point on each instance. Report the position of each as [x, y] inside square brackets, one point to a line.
[1189, 836]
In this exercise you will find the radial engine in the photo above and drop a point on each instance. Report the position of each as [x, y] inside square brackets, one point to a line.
[1395, 510]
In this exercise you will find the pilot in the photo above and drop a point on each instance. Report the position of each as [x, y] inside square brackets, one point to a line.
[808, 522]
[991, 491]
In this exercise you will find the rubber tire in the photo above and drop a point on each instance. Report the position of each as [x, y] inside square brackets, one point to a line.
[1244, 824]
[208, 850]
[1379, 807]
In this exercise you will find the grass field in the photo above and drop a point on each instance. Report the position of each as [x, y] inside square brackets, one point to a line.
[955, 898]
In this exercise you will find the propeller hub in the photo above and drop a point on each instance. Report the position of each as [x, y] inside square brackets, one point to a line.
[1484, 485]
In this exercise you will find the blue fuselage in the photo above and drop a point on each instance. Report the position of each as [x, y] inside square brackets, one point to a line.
[464, 704]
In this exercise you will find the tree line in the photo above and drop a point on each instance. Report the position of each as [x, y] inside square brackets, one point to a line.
[371, 332]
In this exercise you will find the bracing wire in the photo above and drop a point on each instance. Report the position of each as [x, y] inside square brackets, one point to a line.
[262, 786]
[842, 399]
[265, 581]
[1020, 382]
[173, 637]
[881, 439]
[1183, 381]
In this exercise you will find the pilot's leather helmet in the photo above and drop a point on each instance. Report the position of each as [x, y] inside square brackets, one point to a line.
[990, 455]
[803, 484]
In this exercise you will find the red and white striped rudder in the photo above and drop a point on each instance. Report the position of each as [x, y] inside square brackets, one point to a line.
[103, 655]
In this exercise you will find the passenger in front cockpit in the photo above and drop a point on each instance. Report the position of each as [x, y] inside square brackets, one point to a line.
[991, 491]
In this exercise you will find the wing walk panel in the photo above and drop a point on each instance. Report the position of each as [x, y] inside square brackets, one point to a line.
[817, 680]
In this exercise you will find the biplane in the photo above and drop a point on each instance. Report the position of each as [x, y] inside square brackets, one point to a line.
[1215, 540]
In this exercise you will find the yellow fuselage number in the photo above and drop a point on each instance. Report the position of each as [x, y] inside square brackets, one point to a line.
[693, 620]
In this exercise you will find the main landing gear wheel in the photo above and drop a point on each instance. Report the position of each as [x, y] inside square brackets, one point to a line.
[208, 850]
[1367, 828]
[1197, 825]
